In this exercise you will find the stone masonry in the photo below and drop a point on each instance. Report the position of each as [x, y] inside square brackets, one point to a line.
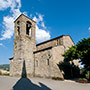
[40, 60]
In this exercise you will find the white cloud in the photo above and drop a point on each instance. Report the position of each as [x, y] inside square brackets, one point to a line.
[30, 15]
[8, 21]
[4, 4]
[89, 28]
[8, 25]
[1, 44]
[40, 16]
[43, 25]
[40, 20]
[19, 2]
[36, 19]
[41, 33]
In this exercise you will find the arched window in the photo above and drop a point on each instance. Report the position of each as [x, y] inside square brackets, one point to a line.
[18, 27]
[47, 61]
[18, 22]
[28, 28]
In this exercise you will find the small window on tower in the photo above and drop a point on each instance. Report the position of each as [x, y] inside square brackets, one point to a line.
[36, 63]
[58, 41]
[47, 61]
[18, 27]
[28, 28]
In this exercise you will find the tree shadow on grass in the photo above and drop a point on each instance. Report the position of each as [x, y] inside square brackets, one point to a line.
[26, 84]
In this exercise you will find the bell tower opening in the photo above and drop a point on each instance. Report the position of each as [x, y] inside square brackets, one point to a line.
[28, 28]
[18, 27]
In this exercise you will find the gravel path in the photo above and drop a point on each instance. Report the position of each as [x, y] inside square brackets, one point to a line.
[11, 83]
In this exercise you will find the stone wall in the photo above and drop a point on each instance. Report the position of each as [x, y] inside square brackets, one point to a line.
[45, 68]
[11, 67]
[57, 57]
[24, 45]
[59, 46]
[42, 67]
[49, 43]
[16, 68]
[67, 42]
[23, 51]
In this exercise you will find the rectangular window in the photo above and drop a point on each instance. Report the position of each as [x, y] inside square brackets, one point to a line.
[36, 63]
[47, 61]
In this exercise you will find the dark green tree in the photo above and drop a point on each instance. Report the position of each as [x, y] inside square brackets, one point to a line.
[71, 54]
[80, 51]
[83, 48]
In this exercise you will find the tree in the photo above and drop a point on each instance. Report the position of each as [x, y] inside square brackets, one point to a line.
[80, 51]
[83, 48]
[71, 54]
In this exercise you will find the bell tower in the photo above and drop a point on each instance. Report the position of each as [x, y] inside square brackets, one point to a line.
[24, 45]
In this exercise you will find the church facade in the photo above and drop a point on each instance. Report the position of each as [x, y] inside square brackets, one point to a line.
[40, 60]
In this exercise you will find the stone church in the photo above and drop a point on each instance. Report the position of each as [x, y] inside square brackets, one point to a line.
[40, 59]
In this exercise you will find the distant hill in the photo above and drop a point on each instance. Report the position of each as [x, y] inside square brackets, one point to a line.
[4, 67]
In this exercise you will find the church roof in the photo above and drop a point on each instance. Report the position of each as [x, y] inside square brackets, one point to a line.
[25, 16]
[10, 58]
[54, 39]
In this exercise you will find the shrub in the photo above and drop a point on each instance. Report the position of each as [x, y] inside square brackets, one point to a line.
[58, 78]
[5, 74]
[0, 73]
[82, 73]
[82, 80]
[87, 75]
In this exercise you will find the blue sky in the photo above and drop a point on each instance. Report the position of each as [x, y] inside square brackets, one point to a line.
[53, 17]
